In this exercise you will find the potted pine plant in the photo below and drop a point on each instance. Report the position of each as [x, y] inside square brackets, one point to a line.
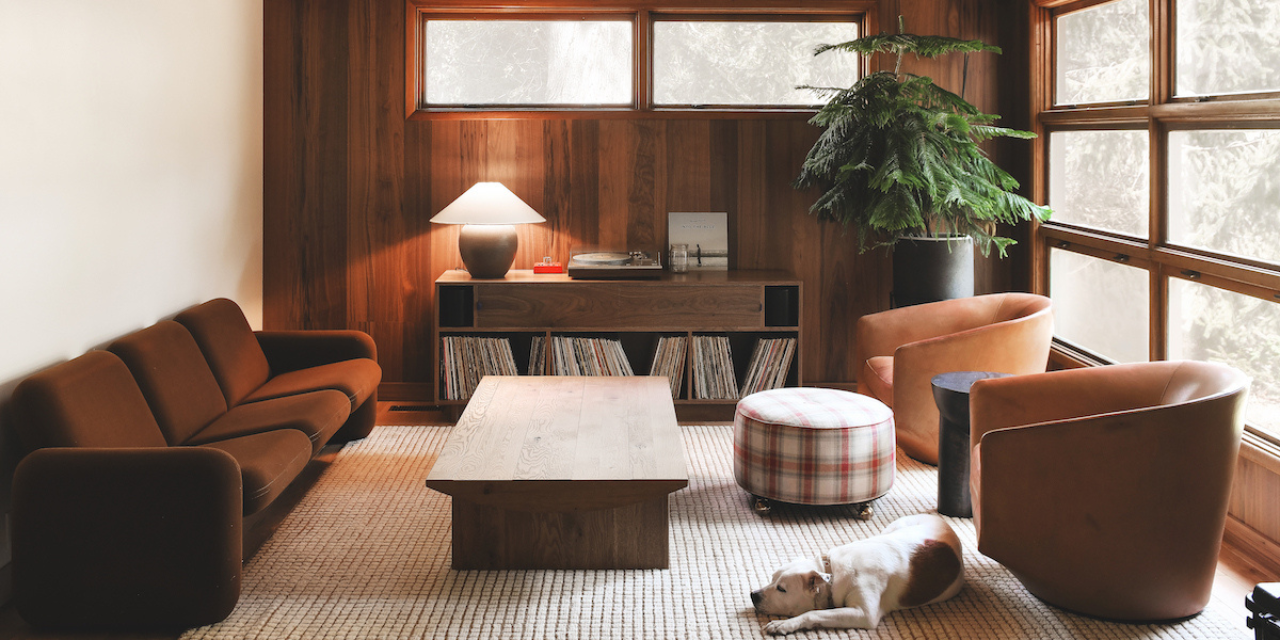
[898, 161]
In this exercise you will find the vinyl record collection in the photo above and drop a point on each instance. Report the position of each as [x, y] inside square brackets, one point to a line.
[668, 360]
[769, 365]
[466, 359]
[588, 357]
[537, 355]
[713, 376]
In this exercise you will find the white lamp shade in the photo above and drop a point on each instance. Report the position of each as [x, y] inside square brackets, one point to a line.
[488, 203]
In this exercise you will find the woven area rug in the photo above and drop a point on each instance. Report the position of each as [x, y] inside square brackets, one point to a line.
[366, 556]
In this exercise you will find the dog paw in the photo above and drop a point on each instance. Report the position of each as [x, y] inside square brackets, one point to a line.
[779, 627]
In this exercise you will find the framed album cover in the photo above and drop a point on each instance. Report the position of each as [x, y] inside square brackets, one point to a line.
[706, 234]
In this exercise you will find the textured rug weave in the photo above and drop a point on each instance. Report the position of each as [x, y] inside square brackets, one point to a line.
[366, 555]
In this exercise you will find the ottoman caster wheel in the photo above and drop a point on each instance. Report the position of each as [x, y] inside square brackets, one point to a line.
[864, 510]
[761, 506]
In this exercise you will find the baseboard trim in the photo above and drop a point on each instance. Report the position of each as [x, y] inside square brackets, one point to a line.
[405, 391]
[1252, 544]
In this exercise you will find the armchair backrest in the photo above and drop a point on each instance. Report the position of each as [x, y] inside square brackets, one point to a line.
[1192, 381]
[1095, 391]
[880, 334]
[1016, 306]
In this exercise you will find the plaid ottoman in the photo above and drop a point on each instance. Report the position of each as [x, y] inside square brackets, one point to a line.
[813, 446]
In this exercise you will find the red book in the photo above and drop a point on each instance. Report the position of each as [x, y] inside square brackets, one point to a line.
[547, 266]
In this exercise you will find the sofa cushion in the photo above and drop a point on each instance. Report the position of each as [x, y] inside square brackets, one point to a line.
[877, 379]
[357, 378]
[318, 415]
[228, 344]
[91, 401]
[174, 378]
[268, 463]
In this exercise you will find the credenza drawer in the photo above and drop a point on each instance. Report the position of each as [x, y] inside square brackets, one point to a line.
[609, 305]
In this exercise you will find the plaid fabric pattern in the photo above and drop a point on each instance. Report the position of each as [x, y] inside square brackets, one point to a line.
[813, 446]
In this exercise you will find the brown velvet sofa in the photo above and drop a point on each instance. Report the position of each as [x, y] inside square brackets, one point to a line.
[146, 459]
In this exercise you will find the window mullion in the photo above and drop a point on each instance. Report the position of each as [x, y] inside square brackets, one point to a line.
[642, 67]
[1159, 313]
[1162, 43]
[1161, 93]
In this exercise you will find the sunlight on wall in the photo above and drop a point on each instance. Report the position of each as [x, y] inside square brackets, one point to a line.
[131, 172]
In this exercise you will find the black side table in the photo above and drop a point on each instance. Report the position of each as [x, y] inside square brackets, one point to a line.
[951, 392]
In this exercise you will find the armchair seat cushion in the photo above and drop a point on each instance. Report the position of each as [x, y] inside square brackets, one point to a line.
[357, 378]
[877, 375]
[268, 463]
[318, 415]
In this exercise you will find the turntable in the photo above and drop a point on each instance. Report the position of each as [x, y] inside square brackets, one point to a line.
[594, 265]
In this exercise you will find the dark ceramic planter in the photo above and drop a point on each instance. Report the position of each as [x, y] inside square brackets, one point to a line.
[932, 269]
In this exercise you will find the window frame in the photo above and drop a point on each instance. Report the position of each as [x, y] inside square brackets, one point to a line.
[530, 16]
[643, 14]
[1161, 113]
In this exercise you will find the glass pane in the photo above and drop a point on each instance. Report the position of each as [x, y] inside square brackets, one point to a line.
[535, 62]
[1100, 179]
[746, 63]
[1223, 192]
[1222, 326]
[1103, 54]
[1100, 305]
[1228, 46]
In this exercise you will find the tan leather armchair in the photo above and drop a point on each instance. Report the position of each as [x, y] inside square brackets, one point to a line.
[1105, 490]
[901, 350]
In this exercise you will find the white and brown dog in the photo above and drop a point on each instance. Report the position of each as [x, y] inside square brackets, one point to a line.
[915, 561]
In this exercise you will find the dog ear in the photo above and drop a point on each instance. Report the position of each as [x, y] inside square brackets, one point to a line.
[812, 580]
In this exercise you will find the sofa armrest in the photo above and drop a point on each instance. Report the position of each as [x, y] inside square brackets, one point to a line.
[126, 538]
[294, 350]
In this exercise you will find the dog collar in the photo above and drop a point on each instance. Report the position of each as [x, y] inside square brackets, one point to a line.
[826, 577]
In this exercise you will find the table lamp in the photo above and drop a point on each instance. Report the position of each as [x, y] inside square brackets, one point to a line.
[488, 212]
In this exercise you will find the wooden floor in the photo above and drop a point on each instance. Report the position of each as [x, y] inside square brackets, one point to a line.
[1235, 577]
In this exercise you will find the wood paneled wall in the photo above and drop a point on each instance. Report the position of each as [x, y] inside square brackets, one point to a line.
[350, 184]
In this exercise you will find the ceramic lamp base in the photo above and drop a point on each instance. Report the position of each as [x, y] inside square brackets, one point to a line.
[488, 249]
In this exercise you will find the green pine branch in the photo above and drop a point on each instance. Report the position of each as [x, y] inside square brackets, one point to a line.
[899, 156]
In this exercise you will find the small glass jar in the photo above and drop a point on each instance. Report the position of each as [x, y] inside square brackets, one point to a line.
[679, 258]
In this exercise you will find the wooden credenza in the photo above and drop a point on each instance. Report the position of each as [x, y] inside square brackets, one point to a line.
[745, 306]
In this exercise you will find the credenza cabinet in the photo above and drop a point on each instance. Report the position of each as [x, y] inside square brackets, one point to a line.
[743, 306]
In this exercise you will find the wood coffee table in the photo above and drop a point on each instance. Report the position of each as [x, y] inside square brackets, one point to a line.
[562, 473]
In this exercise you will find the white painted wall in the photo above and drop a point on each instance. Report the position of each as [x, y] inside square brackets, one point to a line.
[130, 172]
[130, 168]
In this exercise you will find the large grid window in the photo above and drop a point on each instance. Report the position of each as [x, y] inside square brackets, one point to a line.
[1159, 151]
[752, 58]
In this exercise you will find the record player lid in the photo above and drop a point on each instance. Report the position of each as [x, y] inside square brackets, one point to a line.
[602, 258]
